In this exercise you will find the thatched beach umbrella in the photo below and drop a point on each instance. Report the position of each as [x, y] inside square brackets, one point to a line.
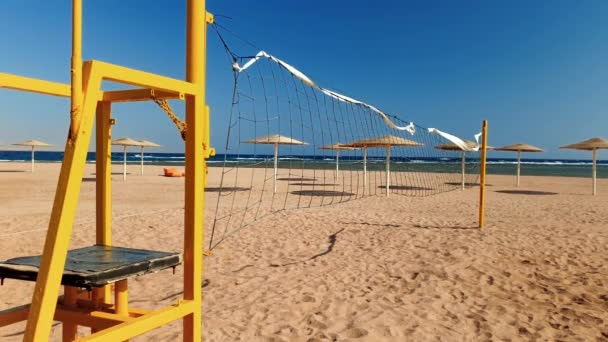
[338, 147]
[593, 144]
[33, 144]
[454, 147]
[385, 141]
[124, 142]
[519, 148]
[275, 140]
[144, 144]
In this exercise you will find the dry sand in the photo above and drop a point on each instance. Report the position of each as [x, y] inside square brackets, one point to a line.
[373, 269]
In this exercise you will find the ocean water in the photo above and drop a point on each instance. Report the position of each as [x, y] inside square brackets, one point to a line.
[506, 166]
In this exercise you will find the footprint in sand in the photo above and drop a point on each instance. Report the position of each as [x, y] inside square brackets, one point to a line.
[316, 321]
[321, 337]
[308, 299]
[355, 333]
[286, 330]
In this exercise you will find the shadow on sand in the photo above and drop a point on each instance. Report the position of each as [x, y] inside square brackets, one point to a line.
[322, 193]
[447, 226]
[332, 243]
[526, 192]
[297, 179]
[226, 189]
[465, 184]
[386, 225]
[404, 187]
[311, 184]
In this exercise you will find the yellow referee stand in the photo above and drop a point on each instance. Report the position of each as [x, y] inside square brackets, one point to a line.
[95, 278]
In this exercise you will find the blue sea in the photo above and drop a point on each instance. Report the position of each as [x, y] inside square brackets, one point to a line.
[540, 167]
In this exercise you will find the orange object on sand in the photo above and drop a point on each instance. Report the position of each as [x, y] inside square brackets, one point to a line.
[171, 172]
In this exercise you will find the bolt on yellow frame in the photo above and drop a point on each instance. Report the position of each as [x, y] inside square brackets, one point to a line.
[88, 104]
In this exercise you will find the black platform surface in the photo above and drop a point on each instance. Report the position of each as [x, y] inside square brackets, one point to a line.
[95, 266]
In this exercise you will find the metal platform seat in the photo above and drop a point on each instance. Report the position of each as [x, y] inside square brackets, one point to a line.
[95, 266]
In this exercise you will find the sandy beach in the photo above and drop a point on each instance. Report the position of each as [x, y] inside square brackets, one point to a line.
[372, 269]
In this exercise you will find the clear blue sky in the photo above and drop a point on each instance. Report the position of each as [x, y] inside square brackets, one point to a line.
[537, 70]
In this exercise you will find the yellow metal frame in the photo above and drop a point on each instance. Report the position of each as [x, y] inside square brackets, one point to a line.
[482, 173]
[118, 321]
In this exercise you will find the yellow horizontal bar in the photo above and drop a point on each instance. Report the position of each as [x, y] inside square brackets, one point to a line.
[110, 308]
[140, 95]
[142, 324]
[80, 316]
[163, 87]
[111, 317]
[93, 319]
[135, 312]
[120, 74]
[34, 85]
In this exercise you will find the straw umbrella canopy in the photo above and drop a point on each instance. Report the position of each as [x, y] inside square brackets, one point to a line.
[385, 141]
[592, 144]
[276, 140]
[338, 147]
[519, 148]
[144, 144]
[33, 144]
[454, 147]
[124, 142]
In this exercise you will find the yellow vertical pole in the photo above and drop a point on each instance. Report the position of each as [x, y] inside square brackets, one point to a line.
[103, 169]
[207, 145]
[482, 173]
[76, 68]
[121, 297]
[103, 172]
[70, 297]
[44, 300]
[196, 40]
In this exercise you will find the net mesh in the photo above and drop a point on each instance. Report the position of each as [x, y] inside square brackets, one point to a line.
[274, 112]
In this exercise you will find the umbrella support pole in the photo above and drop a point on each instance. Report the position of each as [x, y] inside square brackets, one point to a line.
[463, 168]
[388, 170]
[594, 172]
[518, 167]
[124, 163]
[142, 160]
[337, 164]
[276, 158]
[364, 169]
[32, 159]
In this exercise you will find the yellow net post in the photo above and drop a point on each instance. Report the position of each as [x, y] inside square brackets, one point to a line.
[76, 70]
[482, 173]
